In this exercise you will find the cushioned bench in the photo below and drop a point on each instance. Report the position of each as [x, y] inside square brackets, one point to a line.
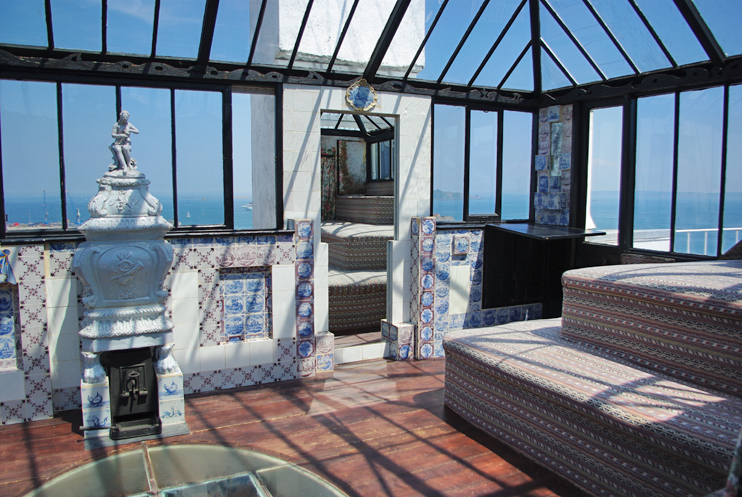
[365, 209]
[357, 299]
[356, 246]
[634, 391]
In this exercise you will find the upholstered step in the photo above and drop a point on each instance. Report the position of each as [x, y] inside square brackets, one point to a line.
[365, 209]
[355, 246]
[357, 299]
[380, 188]
[682, 319]
[610, 427]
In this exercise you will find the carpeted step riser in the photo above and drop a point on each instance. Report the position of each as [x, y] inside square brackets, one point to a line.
[368, 210]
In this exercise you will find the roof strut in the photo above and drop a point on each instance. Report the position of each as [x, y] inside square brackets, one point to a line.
[653, 33]
[558, 62]
[701, 30]
[104, 26]
[535, 39]
[49, 27]
[207, 32]
[387, 35]
[497, 42]
[611, 36]
[425, 39]
[572, 37]
[515, 64]
[358, 121]
[342, 36]
[258, 25]
[155, 27]
[301, 33]
[463, 40]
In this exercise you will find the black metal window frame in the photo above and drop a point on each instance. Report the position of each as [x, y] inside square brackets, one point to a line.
[225, 90]
[477, 219]
[628, 103]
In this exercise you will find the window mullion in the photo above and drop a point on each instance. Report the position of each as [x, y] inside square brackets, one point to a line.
[722, 190]
[60, 133]
[498, 165]
[467, 156]
[173, 154]
[675, 148]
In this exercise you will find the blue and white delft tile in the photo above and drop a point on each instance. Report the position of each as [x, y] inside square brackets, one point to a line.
[441, 307]
[442, 290]
[503, 315]
[515, 313]
[172, 411]
[460, 245]
[95, 396]
[427, 245]
[476, 277]
[305, 348]
[415, 226]
[325, 362]
[473, 319]
[475, 294]
[170, 385]
[489, 317]
[457, 321]
[441, 324]
[384, 330]
[307, 367]
[424, 351]
[542, 162]
[438, 350]
[405, 333]
[324, 343]
[96, 418]
[442, 272]
[427, 227]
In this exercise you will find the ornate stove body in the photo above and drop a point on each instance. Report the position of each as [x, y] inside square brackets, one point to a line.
[122, 266]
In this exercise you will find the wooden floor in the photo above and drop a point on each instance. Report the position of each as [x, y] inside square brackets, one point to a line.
[372, 429]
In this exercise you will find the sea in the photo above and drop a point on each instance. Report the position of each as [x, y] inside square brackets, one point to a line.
[694, 212]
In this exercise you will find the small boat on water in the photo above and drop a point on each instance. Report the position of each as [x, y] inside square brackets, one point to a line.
[248, 206]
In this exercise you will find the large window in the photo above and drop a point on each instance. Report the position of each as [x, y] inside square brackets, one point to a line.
[686, 177]
[481, 163]
[54, 140]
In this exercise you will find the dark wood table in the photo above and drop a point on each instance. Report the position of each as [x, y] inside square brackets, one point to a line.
[523, 263]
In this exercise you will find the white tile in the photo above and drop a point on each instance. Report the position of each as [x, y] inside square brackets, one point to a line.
[459, 290]
[321, 319]
[349, 354]
[66, 374]
[323, 254]
[61, 292]
[62, 320]
[261, 352]
[372, 351]
[12, 386]
[401, 250]
[185, 311]
[284, 302]
[186, 336]
[397, 312]
[284, 325]
[213, 358]
[64, 347]
[237, 354]
[406, 311]
[321, 277]
[189, 360]
[185, 285]
[284, 278]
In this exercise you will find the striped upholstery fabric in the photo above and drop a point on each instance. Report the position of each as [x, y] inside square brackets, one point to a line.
[611, 428]
[681, 319]
[363, 209]
[357, 299]
[355, 246]
[380, 188]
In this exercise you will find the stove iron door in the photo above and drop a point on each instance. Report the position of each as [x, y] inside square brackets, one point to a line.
[133, 388]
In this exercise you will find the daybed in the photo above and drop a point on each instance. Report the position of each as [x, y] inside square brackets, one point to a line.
[636, 390]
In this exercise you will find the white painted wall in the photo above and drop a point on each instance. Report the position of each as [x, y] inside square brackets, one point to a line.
[262, 115]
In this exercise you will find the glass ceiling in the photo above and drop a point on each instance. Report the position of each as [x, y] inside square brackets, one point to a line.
[467, 43]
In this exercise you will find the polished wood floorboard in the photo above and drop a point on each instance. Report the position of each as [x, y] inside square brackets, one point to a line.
[373, 429]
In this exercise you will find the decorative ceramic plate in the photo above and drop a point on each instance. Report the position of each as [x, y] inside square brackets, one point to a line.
[361, 95]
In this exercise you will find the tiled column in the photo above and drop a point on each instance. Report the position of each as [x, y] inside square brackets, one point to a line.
[305, 342]
[170, 398]
[422, 305]
[96, 407]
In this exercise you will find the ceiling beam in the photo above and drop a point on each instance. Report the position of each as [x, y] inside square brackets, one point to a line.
[463, 40]
[360, 124]
[258, 25]
[300, 35]
[425, 39]
[155, 29]
[608, 31]
[207, 32]
[497, 42]
[104, 26]
[387, 35]
[342, 36]
[702, 31]
[653, 33]
[558, 62]
[574, 39]
[535, 43]
[49, 26]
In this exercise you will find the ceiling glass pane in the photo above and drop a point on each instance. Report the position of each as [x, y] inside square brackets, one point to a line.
[179, 31]
[276, 39]
[522, 77]
[324, 26]
[23, 23]
[364, 31]
[412, 30]
[233, 31]
[450, 29]
[551, 76]
[672, 29]
[130, 26]
[77, 25]
[722, 17]
[567, 52]
[586, 29]
[503, 58]
[631, 33]
[485, 33]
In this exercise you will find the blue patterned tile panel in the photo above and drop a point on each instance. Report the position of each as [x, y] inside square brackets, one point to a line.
[246, 304]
